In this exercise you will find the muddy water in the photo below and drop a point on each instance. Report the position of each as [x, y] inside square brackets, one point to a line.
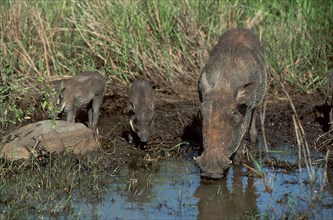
[176, 191]
[139, 194]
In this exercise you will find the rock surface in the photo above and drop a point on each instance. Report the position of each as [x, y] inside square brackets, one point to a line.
[48, 136]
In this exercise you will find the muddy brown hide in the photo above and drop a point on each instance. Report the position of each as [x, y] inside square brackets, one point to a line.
[141, 108]
[232, 84]
[83, 90]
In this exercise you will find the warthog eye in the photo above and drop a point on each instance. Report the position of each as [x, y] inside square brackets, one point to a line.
[242, 108]
[237, 117]
[131, 113]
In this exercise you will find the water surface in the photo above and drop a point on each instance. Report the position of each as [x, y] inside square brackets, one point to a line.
[176, 191]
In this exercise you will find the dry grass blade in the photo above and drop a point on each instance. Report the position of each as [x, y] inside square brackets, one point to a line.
[262, 120]
[324, 141]
[253, 170]
[325, 178]
[302, 143]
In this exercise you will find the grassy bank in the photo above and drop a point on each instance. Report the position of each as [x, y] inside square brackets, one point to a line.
[164, 41]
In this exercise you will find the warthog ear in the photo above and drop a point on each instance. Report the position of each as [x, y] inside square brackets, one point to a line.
[245, 93]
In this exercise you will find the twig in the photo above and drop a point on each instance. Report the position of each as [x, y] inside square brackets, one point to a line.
[301, 139]
[262, 120]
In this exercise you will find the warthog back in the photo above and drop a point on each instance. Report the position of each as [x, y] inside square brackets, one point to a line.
[84, 89]
[232, 84]
[141, 108]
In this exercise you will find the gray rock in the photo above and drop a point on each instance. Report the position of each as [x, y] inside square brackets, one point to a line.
[48, 136]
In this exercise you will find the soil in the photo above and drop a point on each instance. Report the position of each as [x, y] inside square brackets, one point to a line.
[176, 130]
[176, 133]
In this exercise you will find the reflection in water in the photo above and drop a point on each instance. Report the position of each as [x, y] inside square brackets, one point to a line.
[175, 191]
[167, 194]
[290, 201]
[228, 197]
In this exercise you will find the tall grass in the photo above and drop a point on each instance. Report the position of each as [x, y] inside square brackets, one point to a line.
[164, 41]
[48, 186]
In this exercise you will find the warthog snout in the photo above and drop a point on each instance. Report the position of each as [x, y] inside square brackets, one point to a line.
[212, 165]
[141, 131]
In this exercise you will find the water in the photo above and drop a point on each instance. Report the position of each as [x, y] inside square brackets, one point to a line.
[176, 191]
[170, 195]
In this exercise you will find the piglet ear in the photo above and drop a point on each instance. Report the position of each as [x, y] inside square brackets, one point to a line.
[245, 93]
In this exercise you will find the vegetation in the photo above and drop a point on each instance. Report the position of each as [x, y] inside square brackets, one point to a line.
[164, 41]
[45, 186]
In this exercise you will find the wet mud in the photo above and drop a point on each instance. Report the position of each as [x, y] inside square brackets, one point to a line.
[176, 136]
[160, 179]
[177, 126]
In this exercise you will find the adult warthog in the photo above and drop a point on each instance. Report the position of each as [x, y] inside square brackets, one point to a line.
[231, 86]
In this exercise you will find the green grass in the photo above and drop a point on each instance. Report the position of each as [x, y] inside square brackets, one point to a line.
[166, 42]
[48, 186]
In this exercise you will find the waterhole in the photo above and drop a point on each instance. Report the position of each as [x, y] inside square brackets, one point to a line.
[176, 191]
